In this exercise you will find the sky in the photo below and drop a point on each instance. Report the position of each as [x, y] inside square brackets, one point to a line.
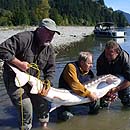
[123, 5]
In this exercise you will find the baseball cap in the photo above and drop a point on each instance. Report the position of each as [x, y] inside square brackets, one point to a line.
[49, 24]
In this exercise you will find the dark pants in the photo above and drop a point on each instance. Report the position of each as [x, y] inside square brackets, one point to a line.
[124, 96]
[20, 96]
[66, 112]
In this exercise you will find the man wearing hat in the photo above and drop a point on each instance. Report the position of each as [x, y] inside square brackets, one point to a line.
[21, 50]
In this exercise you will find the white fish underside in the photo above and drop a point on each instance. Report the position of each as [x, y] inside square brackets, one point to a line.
[64, 97]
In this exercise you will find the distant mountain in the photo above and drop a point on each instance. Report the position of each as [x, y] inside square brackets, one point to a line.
[127, 15]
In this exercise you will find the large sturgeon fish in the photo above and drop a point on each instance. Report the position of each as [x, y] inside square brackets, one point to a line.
[100, 86]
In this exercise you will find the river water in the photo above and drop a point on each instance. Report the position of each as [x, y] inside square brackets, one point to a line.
[116, 117]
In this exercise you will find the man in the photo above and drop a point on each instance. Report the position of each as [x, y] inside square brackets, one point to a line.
[21, 50]
[74, 76]
[114, 60]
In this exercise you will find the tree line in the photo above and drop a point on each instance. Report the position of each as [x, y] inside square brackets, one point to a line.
[64, 12]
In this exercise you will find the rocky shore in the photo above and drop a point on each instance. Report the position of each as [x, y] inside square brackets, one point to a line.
[71, 34]
[68, 35]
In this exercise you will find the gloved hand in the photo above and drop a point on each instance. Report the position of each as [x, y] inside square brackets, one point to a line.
[45, 88]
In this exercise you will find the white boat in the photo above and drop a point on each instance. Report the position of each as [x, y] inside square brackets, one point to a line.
[107, 29]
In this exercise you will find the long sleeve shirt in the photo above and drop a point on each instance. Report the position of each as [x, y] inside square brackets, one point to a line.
[71, 79]
[25, 47]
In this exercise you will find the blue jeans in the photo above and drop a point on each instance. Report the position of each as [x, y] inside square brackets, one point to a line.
[29, 103]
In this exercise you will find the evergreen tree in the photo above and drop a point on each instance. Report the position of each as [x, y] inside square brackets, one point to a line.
[42, 10]
[64, 12]
[5, 17]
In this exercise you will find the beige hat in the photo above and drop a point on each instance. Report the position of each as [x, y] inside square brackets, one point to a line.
[49, 24]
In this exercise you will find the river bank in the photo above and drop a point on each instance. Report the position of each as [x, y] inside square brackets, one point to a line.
[68, 35]
[71, 34]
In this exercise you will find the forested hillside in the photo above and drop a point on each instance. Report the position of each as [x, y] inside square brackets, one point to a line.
[64, 12]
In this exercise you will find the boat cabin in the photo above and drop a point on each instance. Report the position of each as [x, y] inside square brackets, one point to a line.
[107, 29]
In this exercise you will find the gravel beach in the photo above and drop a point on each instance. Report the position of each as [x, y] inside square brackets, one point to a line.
[71, 34]
[68, 35]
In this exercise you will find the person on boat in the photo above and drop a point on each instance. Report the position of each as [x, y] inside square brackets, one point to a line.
[114, 60]
[74, 76]
[21, 50]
